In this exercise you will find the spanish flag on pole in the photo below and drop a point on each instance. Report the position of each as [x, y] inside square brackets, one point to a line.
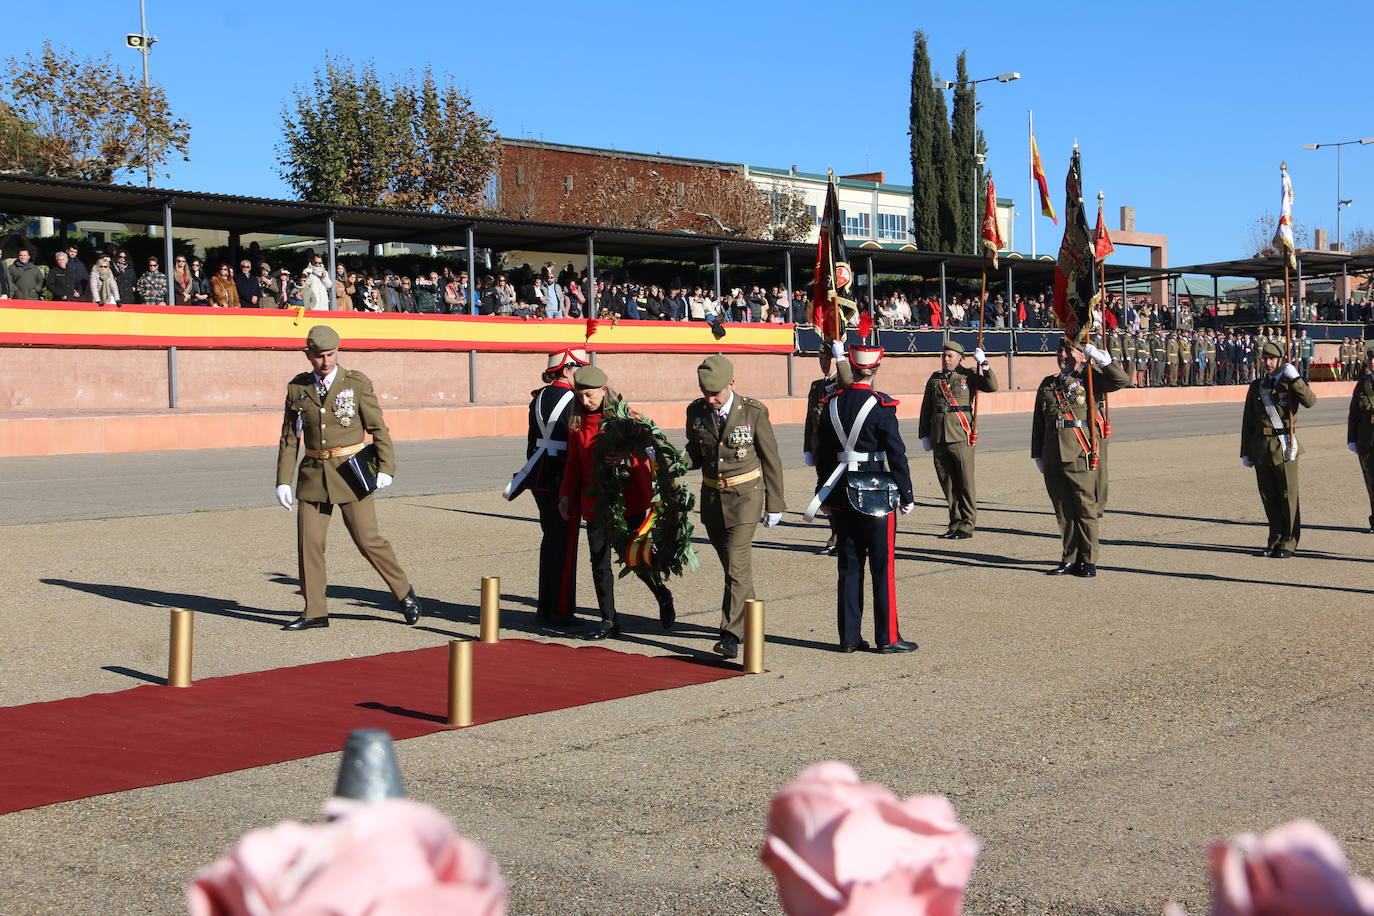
[832, 291]
[1038, 173]
[992, 233]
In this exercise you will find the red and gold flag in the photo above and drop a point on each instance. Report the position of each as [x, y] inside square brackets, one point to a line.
[1102, 242]
[832, 291]
[1038, 173]
[992, 233]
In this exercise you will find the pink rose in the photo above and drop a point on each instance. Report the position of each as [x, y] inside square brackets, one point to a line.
[380, 859]
[841, 846]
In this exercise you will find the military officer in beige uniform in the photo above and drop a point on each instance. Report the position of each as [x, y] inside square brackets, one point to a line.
[1061, 445]
[330, 408]
[1360, 427]
[1268, 443]
[946, 428]
[731, 439]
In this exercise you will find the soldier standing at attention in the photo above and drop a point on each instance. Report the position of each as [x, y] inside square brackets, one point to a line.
[1061, 446]
[835, 374]
[946, 427]
[546, 456]
[731, 439]
[858, 442]
[1171, 360]
[1158, 359]
[330, 407]
[1268, 444]
[1360, 428]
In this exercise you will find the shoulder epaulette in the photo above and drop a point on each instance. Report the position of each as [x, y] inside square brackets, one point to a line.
[886, 399]
[750, 402]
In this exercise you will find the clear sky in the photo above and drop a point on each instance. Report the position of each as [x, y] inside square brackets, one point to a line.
[1182, 110]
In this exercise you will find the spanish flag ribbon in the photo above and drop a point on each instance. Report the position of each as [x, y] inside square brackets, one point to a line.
[640, 550]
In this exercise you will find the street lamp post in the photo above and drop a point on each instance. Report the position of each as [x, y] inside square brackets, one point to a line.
[1364, 141]
[143, 43]
[977, 160]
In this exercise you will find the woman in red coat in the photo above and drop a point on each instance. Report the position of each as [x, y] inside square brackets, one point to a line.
[593, 395]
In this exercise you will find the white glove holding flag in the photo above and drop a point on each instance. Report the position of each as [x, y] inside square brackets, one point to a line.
[284, 496]
[979, 356]
[1289, 372]
[837, 349]
[772, 519]
[808, 459]
[1100, 357]
[925, 443]
[383, 481]
[906, 509]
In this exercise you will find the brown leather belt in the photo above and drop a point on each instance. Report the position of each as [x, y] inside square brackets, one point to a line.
[725, 483]
[342, 451]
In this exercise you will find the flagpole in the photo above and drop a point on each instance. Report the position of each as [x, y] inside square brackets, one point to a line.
[1102, 287]
[1030, 184]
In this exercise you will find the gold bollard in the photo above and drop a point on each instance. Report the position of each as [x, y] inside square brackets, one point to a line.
[179, 654]
[490, 615]
[460, 682]
[753, 637]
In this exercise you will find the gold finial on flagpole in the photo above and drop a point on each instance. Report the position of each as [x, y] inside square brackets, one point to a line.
[1283, 166]
[1100, 196]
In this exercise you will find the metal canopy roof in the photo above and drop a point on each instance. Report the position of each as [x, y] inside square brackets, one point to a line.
[74, 201]
[1314, 263]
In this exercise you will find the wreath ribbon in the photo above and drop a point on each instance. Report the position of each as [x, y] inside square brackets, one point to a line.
[640, 549]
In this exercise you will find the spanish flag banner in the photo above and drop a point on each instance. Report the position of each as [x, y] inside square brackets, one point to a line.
[1038, 173]
[992, 233]
[832, 292]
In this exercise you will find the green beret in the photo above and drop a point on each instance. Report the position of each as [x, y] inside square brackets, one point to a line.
[590, 377]
[715, 374]
[1272, 349]
[322, 338]
[954, 346]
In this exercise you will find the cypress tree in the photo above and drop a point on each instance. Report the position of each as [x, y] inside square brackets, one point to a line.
[925, 178]
[946, 178]
[967, 174]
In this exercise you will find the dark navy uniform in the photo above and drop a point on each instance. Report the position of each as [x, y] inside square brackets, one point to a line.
[876, 446]
[558, 546]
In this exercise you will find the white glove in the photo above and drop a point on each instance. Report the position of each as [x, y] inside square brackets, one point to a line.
[1245, 462]
[906, 509]
[1289, 372]
[1100, 357]
[1040, 465]
[979, 356]
[925, 443]
[771, 519]
[837, 348]
[284, 496]
[1353, 447]
[383, 481]
[808, 459]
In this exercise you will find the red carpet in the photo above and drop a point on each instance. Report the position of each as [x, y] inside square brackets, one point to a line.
[152, 735]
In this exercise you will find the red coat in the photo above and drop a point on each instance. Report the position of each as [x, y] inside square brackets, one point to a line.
[577, 477]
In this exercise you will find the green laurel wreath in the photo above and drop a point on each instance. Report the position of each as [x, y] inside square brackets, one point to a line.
[624, 432]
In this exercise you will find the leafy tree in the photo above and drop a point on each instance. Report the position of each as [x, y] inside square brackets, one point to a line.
[925, 183]
[622, 196]
[727, 202]
[412, 143]
[71, 117]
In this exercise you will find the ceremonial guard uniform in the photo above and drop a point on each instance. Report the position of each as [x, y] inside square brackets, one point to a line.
[731, 439]
[546, 456]
[837, 375]
[1359, 435]
[946, 427]
[1060, 447]
[862, 477]
[1269, 445]
[330, 408]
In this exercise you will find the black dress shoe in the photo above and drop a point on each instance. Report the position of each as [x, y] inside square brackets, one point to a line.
[1267, 552]
[1281, 554]
[859, 646]
[1063, 569]
[1085, 570]
[900, 645]
[960, 535]
[728, 647]
[602, 630]
[947, 535]
[410, 607]
[667, 614]
[307, 623]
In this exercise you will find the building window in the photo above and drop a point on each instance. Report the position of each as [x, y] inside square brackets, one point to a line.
[680, 189]
[892, 226]
[519, 174]
[568, 183]
[630, 183]
[815, 215]
[856, 224]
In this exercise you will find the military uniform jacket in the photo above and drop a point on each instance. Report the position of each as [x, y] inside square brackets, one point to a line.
[820, 389]
[745, 444]
[1059, 404]
[349, 408]
[547, 474]
[940, 422]
[1360, 427]
[879, 434]
[1258, 439]
[1156, 348]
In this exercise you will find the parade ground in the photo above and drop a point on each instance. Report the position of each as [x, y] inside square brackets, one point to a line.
[1096, 734]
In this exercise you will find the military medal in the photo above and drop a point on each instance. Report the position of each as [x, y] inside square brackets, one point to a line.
[345, 407]
[740, 453]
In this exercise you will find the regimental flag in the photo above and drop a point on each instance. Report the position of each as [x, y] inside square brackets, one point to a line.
[992, 233]
[1102, 242]
[1074, 299]
[1038, 173]
[1283, 238]
[832, 292]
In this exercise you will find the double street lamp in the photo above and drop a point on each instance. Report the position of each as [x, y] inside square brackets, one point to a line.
[1340, 204]
[977, 159]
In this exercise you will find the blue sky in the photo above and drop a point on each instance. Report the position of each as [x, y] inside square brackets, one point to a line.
[1183, 110]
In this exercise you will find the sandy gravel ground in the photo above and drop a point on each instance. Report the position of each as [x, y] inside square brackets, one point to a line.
[1096, 734]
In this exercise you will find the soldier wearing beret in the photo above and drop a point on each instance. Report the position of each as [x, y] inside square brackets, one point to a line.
[862, 477]
[946, 428]
[546, 455]
[1061, 447]
[835, 374]
[330, 408]
[1359, 436]
[731, 439]
[1268, 443]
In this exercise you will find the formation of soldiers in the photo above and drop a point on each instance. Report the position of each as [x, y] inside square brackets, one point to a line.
[1172, 359]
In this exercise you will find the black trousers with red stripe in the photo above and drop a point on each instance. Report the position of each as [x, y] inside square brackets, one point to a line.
[557, 559]
[861, 538]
